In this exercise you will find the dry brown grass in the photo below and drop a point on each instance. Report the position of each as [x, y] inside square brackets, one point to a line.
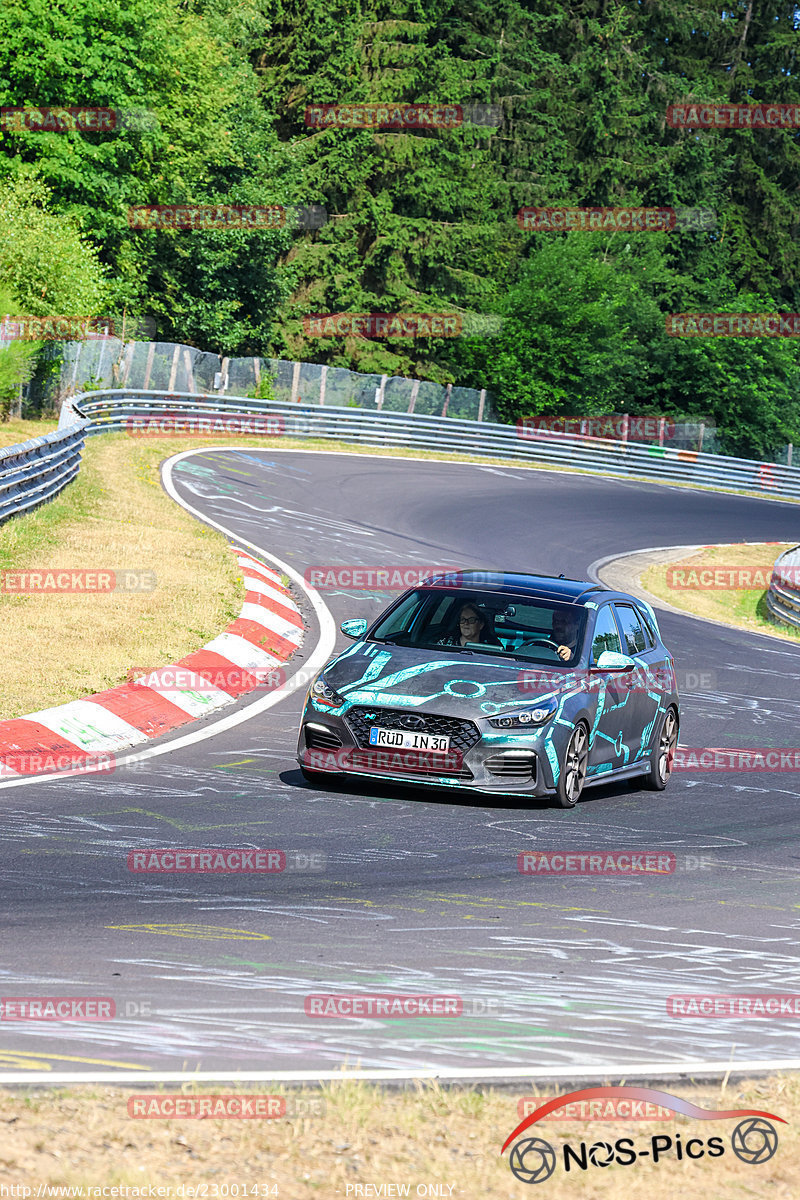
[740, 608]
[59, 647]
[14, 431]
[425, 1135]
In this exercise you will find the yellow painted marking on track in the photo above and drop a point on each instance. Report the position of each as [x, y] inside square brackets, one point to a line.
[206, 933]
[474, 902]
[181, 826]
[584, 908]
[242, 763]
[37, 1060]
[49, 851]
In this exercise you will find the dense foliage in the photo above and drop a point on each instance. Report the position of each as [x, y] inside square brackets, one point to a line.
[423, 220]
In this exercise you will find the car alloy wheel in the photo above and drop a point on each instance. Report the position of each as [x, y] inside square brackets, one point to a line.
[663, 753]
[573, 768]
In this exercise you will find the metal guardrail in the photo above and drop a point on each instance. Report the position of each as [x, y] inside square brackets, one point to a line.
[129, 409]
[36, 471]
[783, 596]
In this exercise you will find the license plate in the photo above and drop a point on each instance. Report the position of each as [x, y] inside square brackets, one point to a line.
[403, 739]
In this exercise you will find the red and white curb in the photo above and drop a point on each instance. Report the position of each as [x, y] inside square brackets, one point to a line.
[86, 734]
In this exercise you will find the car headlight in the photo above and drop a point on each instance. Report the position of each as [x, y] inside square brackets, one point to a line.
[524, 718]
[324, 694]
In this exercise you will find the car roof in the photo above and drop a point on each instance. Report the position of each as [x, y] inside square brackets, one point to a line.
[540, 587]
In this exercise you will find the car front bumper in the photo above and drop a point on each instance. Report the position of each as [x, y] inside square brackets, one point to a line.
[497, 762]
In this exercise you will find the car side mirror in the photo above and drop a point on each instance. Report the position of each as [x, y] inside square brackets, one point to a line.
[610, 661]
[355, 628]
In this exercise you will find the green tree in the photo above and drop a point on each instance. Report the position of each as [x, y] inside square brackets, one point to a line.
[16, 359]
[209, 143]
[45, 259]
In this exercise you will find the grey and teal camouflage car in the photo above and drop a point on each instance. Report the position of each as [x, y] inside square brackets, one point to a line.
[522, 684]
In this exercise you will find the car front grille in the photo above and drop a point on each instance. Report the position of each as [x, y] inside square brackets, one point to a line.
[514, 764]
[463, 734]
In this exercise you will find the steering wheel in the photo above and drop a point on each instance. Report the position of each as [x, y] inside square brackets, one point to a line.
[540, 642]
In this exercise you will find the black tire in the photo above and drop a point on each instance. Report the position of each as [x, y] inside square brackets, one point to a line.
[663, 753]
[572, 775]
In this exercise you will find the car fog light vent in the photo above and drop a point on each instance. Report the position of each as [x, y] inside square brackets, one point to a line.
[319, 737]
[512, 766]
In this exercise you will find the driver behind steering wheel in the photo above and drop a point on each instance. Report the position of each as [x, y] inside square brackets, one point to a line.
[565, 632]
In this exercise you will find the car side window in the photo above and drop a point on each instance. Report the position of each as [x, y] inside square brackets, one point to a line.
[606, 636]
[649, 632]
[633, 635]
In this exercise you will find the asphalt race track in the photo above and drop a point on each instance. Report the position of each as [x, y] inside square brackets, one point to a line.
[418, 891]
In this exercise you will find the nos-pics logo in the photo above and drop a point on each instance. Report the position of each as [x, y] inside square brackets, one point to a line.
[754, 1140]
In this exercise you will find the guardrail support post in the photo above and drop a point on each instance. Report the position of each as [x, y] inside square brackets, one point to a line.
[322, 382]
[187, 362]
[481, 403]
[447, 392]
[296, 383]
[414, 394]
[127, 363]
[174, 369]
[149, 366]
[700, 439]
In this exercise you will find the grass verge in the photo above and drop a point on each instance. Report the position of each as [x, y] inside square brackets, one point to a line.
[115, 515]
[14, 430]
[742, 608]
[418, 1138]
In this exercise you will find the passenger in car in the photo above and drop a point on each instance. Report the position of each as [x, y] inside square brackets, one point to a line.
[473, 626]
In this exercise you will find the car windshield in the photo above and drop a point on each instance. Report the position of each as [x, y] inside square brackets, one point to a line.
[495, 623]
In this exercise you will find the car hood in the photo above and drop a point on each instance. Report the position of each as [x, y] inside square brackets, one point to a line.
[453, 684]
